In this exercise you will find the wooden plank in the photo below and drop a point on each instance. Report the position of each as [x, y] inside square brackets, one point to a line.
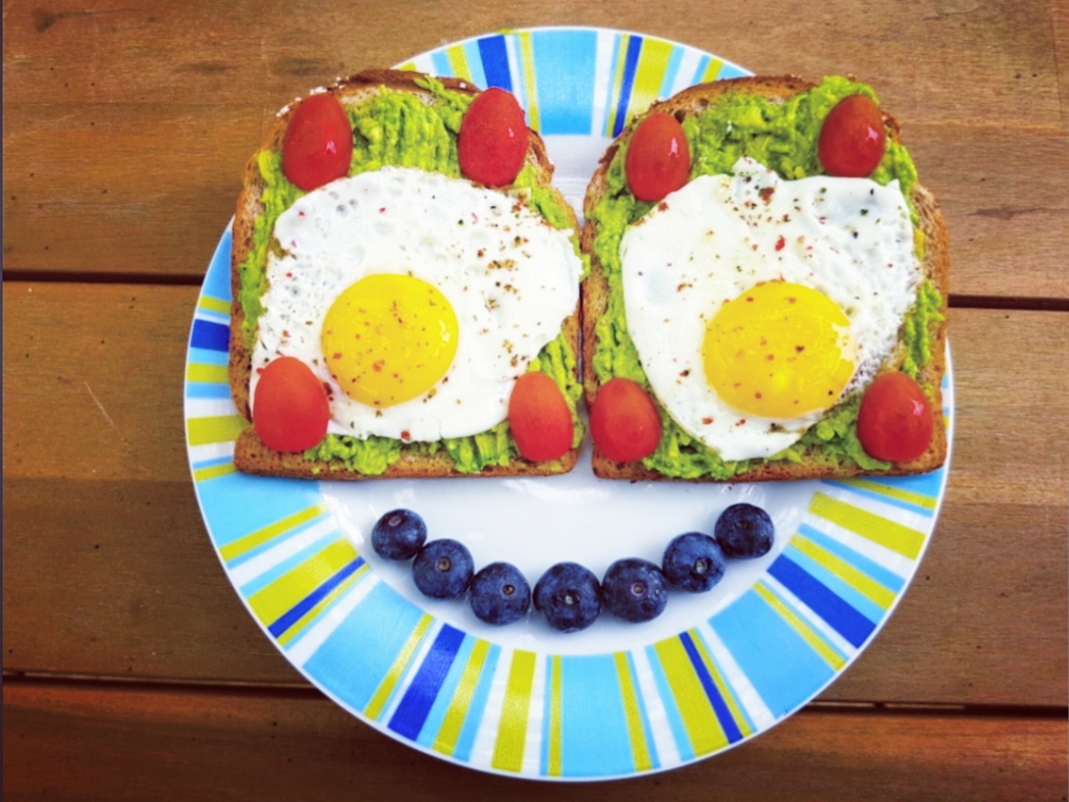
[938, 61]
[71, 742]
[984, 622]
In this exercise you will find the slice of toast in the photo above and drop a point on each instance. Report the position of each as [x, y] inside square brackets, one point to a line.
[414, 460]
[596, 295]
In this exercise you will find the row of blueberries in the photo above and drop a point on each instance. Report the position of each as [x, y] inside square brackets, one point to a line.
[568, 594]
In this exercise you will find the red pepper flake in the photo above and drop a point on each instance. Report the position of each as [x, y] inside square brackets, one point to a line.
[382, 209]
[685, 373]
[766, 194]
[799, 348]
[781, 243]
[378, 366]
[741, 422]
[337, 355]
[707, 421]
[662, 207]
[405, 435]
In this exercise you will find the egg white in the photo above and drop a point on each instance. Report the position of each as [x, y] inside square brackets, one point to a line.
[718, 236]
[511, 279]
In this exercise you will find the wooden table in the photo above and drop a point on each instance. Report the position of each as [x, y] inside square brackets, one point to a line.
[131, 669]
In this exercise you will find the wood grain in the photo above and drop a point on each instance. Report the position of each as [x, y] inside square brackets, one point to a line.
[115, 575]
[86, 742]
[133, 125]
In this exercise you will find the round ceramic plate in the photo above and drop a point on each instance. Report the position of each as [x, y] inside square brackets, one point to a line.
[614, 700]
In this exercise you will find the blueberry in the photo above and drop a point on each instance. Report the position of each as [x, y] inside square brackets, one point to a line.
[443, 569]
[743, 530]
[634, 590]
[568, 595]
[398, 535]
[693, 562]
[500, 594]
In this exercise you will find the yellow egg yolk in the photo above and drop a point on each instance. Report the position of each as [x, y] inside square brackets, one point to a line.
[779, 350]
[389, 338]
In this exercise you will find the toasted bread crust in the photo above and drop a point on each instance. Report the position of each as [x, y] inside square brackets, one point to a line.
[250, 454]
[595, 298]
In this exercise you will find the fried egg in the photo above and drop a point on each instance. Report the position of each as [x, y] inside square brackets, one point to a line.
[417, 299]
[757, 303]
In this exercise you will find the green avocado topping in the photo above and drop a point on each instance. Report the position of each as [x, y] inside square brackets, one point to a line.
[399, 129]
[783, 137]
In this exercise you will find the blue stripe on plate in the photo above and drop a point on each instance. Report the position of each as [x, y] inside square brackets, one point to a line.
[670, 73]
[843, 618]
[264, 501]
[671, 709]
[353, 661]
[416, 704]
[634, 47]
[730, 71]
[442, 66]
[926, 484]
[477, 707]
[210, 336]
[566, 65]
[203, 356]
[436, 715]
[295, 613]
[495, 58]
[782, 667]
[207, 390]
[475, 64]
[885, 577]
[723, 713]
[863, 604]
[594, 734]
[217, 281]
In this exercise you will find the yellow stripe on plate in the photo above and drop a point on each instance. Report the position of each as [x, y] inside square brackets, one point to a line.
[446, 740]
[213, 472]
[649, 75]
[282, 595]
[556, 735]
[214, 304]
[386, 687]
[216, 374]
[699, 719]
[869, 525]
[216, 429]
[861, 582]
[459, 62]
[528, 67]
[260, 536]
[712, 69]
[799, 625]
[640, 749]
[512, 731]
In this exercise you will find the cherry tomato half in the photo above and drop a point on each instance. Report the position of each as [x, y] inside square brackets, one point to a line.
[492, 143]
[624, 421]
[290, 407]
[539, 418]
[852, 139]
[894, 422]
[658, 158]
[319, 143]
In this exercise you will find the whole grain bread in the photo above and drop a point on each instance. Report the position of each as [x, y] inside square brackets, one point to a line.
[595, 296]
[250, 453]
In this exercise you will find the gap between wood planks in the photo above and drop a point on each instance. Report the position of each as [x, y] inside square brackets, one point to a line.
[1024, 304]
[295, 690]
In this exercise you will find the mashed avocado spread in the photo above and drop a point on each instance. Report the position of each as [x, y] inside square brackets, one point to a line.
[398, 129]
[783, 137]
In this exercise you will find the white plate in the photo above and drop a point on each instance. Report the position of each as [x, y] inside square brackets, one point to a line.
[614, 700]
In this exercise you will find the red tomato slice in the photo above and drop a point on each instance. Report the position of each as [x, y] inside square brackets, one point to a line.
[624, 421]
[852, 138]
[539, 418]
[290, 407]
[895, 420]
[658, 157]
[492, 143]
[319, 142]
